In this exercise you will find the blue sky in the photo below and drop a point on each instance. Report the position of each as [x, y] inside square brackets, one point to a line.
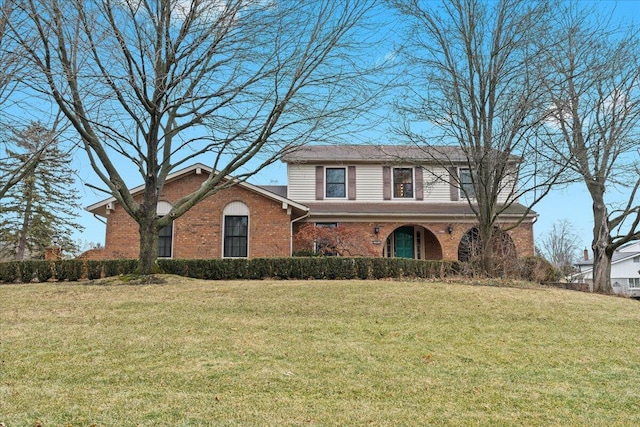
[572, 203]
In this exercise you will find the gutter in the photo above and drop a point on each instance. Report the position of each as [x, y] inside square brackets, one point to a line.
[291, 230]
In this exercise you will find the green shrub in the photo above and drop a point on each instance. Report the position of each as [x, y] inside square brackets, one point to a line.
[27, 271]
[116, 267]
[70, 270]
[9, 272]
[38, 270]
[94, 269]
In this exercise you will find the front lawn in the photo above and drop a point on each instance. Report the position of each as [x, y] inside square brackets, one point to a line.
[315, 353]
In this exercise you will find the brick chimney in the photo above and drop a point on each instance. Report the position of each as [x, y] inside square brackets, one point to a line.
[586, 254]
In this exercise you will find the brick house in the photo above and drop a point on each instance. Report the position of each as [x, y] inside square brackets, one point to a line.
[376, 193]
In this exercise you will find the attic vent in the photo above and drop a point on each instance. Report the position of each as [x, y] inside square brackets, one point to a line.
[163, 208]
[198, 171]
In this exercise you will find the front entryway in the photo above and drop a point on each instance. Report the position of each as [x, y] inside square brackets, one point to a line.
[412, 241]
[403, 242]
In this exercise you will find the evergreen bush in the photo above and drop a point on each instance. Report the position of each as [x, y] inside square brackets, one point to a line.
[9, 271]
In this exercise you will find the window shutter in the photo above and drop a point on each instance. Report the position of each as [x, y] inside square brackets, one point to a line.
[454, 190]
[419, 183]
[351, 191]
[386, 182]
[319, 182]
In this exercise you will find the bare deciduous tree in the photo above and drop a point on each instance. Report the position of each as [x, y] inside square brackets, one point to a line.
[473, 83]
[158, 83]
[561, 246]
[11, 71]
[595, 101]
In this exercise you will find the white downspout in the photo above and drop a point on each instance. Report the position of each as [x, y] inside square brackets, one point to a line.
[291, 231]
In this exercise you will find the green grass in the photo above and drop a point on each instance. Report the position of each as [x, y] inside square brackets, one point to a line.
[316, 353]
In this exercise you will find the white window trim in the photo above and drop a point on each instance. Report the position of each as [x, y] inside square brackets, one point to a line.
[346, 182]
[173, 232]
[464, 196]
[224, 227]
[235, 208]
[413, 183]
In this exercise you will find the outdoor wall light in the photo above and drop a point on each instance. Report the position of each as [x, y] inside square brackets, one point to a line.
[449, 228]
[54, 239]
[376, 229]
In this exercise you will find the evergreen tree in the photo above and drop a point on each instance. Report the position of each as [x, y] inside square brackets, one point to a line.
[43, 203]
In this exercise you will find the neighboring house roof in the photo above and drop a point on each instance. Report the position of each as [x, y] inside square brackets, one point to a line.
[616, 258]
[417, 209]
[280, 190]
[99, 207]
[376, 154]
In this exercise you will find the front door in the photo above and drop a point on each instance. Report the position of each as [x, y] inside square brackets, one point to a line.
[403, 240]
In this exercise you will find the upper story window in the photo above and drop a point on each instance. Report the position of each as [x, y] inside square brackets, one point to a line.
[335, 182]
[403, 183]
[466, 184]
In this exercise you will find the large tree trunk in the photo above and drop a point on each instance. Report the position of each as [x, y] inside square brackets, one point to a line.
[148, 259]
[601, 273]
[600, 246]
[486, 249]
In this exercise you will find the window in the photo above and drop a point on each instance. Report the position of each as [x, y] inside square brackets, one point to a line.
[636, 258]
[403, 183]
[236, 230]
[164, 241]
[336, 182]
[466, 184]
[325, 244]
[634, 282]
[165, 237]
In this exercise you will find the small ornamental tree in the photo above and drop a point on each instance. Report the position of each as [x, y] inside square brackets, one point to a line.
[336, 240]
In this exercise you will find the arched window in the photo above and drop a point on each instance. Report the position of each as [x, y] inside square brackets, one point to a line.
[470, 245]
[236, 230]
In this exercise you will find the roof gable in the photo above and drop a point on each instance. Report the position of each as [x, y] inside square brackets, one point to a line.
[99, 208]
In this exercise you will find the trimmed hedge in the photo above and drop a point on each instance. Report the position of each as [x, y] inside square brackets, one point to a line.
[230, 269]
[308, 268]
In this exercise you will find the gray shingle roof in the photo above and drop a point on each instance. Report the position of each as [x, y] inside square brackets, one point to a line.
[374, 154]
[280, 190]
[391, 208]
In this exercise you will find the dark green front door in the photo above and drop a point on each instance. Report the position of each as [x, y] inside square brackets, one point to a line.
[403, 238]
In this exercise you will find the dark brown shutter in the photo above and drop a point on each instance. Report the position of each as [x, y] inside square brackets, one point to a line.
[386, 182]
[319, 182]
[454, 191]
[419, 183]
[351, 191]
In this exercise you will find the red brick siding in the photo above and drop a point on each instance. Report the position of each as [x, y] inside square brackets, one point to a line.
[438, 243]
[198, 233]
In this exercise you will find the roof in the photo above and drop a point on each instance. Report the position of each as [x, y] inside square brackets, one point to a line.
[280, 190]
[618, 256]
[272, 192]
[376, 154]
[394, 208]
